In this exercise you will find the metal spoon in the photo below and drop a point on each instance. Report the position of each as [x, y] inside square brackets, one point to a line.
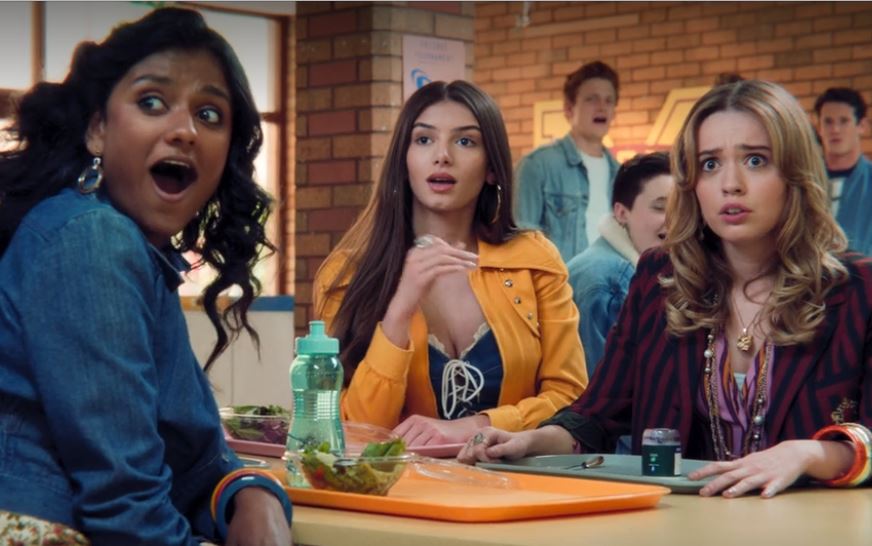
[590, 463]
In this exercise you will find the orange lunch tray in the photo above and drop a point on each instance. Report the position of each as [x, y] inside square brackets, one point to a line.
[532, 496]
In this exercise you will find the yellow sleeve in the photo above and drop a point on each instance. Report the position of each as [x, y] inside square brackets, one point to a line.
[562, 373]
[377, 390]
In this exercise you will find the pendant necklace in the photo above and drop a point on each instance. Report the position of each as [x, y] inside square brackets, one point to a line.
[745, 340]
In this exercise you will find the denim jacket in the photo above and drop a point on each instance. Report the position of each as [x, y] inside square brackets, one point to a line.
[600, 278]
[107, 422]
[855, 204]
[553, 192]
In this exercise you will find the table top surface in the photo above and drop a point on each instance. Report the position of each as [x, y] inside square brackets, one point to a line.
[816, 516]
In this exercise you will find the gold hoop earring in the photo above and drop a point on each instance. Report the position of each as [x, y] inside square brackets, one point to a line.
[499, 205]
[91, 177]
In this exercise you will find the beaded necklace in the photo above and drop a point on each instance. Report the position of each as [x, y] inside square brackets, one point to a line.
[751, 437]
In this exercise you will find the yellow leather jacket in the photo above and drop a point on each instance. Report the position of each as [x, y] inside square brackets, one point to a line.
[523, 292]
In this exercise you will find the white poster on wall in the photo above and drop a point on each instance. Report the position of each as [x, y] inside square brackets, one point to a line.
[427, 59]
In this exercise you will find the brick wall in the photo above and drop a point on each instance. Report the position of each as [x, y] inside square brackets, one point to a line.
[659, 46]
[349, 93]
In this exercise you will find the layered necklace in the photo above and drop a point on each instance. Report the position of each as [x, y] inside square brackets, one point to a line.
[751, 436]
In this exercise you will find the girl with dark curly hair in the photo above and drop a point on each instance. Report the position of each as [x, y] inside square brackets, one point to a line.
[108, 426]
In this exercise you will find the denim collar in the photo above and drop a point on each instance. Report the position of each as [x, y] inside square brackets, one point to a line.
[573, 156]
[846, 173]
[172, 264]
[567, 144]
[170, 261]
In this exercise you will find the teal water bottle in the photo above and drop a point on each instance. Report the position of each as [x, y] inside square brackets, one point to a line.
[316, 381]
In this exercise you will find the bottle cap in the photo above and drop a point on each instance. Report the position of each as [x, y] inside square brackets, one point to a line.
[653, 436]
[317, 342]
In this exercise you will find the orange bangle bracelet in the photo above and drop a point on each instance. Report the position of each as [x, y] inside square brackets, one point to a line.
[861, 441]
[229, 477]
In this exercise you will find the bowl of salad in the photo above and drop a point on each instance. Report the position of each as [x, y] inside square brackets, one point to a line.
[373, 472]
[265, 424]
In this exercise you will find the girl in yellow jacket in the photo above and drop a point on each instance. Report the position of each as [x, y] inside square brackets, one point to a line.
[449, 317]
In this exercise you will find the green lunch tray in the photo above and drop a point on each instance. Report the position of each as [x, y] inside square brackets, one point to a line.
[622, 468]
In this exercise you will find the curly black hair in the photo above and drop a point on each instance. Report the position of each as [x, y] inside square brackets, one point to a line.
[51, 122]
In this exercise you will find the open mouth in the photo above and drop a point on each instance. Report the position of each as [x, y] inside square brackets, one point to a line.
[173, 177]
[600, 119]
[441, 182]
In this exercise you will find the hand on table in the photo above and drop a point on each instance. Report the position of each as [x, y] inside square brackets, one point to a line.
[418, 430]
[771, 470]
[491, 444]
[258, 520]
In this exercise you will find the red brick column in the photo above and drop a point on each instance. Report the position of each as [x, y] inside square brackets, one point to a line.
[349, 93]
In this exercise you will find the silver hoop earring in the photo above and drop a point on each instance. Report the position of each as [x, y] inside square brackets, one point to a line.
[91, 177]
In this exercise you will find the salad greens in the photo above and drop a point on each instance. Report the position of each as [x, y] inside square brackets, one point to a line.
[267, 424]
[366, 474]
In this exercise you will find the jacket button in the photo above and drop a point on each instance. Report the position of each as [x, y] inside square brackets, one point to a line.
[508, 283]
[530, 316]
[517, 299]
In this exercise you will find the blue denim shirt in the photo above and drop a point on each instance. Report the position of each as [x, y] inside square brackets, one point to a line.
[855, 205]
[107, 422]
[600, 279]
[553, 192]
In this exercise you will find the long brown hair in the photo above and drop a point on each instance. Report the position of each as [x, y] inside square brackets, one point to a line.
[808, 237]
[374, 248]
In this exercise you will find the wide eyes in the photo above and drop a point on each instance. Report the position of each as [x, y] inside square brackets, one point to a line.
[755, 161]
[709, 165]
[210, 115]
[152, 104]
[155, 105]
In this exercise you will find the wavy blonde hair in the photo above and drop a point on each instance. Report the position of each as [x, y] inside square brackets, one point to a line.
[808, 237]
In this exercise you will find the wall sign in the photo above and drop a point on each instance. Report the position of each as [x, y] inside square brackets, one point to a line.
[427, 59]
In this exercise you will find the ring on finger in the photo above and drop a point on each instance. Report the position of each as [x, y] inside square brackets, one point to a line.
[477, 439]
[423, 241]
